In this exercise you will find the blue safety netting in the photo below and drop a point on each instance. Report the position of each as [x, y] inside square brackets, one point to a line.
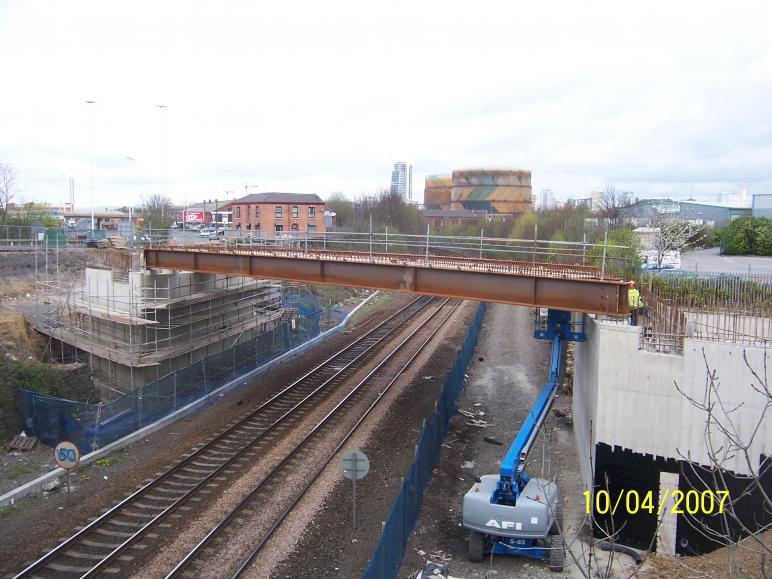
[390, 550]
[92, 426]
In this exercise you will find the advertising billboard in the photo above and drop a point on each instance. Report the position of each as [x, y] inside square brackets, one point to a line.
[193, 216]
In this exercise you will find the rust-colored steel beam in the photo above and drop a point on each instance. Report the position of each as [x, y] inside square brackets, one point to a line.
[572, 288]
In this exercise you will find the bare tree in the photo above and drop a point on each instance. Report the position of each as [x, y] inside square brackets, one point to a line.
[673, 235]
[343, 208]
[731, 436]
[8, 188]
[158, 212]
[612, 204]
[386, 208]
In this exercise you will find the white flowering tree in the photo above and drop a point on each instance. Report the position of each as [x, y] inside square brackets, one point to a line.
[673, 235]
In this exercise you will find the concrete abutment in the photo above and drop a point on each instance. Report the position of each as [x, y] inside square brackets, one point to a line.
[640, 428]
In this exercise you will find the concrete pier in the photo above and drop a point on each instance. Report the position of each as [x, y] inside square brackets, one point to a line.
[131, 327]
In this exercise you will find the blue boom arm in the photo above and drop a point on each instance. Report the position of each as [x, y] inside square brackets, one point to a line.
[512, 466]
[511, 475]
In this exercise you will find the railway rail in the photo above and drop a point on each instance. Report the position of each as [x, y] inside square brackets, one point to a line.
[383, 377]
[103, 546]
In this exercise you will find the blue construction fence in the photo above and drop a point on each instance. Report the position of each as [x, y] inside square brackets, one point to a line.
[92, 426]
[390, 551]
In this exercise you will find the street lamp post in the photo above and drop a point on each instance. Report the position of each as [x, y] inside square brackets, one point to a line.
[91, 153]
[161, 109]
[131, 217]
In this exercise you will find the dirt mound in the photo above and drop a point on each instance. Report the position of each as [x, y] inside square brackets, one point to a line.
[17, 339]
[12, 287]
[21, 264]
[743, 561]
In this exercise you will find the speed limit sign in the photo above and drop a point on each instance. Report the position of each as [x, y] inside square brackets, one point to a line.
[66, 455]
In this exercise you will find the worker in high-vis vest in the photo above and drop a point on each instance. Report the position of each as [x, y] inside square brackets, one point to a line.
[635, 302]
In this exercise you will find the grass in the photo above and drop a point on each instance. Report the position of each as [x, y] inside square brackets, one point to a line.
[366, 310]
[19, 470]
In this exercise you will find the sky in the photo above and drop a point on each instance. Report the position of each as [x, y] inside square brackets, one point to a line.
[659, 98]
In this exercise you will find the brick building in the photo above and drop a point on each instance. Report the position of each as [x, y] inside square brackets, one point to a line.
[279, 212]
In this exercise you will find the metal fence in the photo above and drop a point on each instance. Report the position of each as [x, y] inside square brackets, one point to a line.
[29, 237]
[604, 256]
[705, 306]
[390, 550]
[91, 426]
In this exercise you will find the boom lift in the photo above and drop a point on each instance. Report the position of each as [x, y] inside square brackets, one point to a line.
[512, 513]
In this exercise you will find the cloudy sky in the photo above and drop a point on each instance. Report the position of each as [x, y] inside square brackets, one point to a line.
[658, 97]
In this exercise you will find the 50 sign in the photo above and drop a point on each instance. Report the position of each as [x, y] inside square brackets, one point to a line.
[66, 455]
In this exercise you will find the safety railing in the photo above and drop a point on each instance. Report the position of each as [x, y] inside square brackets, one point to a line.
[717, 307]
[601, 256]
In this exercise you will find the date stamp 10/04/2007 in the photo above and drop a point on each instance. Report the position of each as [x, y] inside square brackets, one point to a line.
[632, 502]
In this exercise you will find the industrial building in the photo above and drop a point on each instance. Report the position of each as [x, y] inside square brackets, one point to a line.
[711, 214]
[491, 190]
[437, 192]
[438, 218]
[485, 193]
[762, 205]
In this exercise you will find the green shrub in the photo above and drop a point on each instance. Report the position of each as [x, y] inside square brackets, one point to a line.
[34, 375]
[624, 261]
[747, 236]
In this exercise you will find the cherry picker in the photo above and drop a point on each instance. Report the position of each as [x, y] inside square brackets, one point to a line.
[512, 513]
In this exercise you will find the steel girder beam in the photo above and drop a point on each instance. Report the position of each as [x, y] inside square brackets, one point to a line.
[564, 293]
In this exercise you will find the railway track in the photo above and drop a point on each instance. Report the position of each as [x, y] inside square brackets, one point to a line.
[109, 543]
[383, 376]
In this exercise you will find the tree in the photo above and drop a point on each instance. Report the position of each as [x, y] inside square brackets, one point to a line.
[35, 212]
[673, 235]
[387, 209]
[158, 212]
[8, 188]
[525, 226]
[735, 421]
[747, 236]
[343, 209]
[612, 203]
[622, 252]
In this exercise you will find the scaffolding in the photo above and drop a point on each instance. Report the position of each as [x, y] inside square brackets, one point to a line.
[132, 326]
[154, 340]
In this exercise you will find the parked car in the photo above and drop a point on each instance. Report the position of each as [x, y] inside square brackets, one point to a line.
[207, 232]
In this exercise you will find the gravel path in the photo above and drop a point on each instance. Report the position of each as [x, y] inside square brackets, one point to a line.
[509, 368]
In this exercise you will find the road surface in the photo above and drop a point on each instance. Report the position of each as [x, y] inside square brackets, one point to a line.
[709, 260]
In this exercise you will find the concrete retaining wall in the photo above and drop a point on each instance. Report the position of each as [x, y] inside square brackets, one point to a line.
[627, 397]
[635, 429]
